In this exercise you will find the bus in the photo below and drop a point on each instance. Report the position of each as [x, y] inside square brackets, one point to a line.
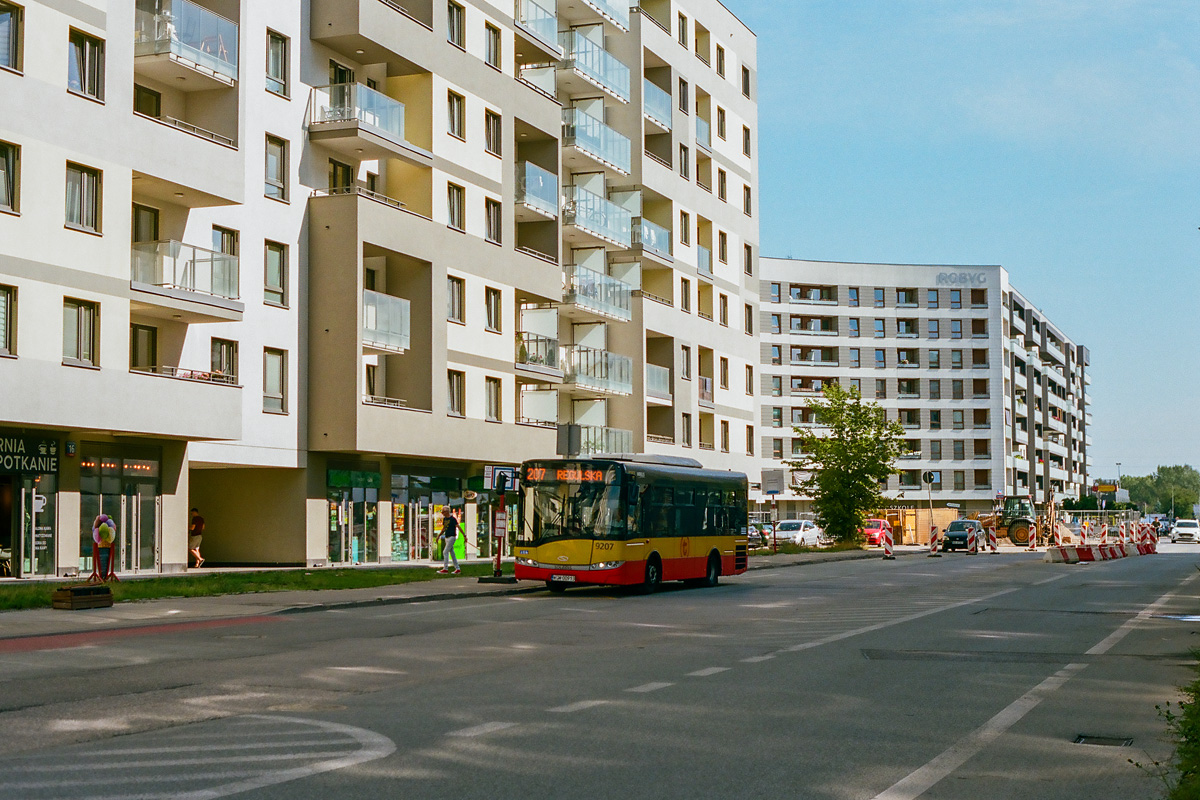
[629, 520]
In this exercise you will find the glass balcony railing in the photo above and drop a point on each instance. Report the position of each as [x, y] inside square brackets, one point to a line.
[596, 369]
[541, 77]
[598, 292]
[704, 260]
[386, 321]
[656, 103]
[537, 188]
[537, 350]
[539, 19]
[658, 381]
[706, 390]
[652, 236]
[596, 139]
[594, 439]
[188, 31]
[174, 265]
[592, 60]
[343, 102]
[703, 133]
[618, 12]
[597, 215]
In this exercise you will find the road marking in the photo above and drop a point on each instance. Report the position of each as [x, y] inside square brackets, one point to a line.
[704, 673]
[582, 705]
[480, 730]
[1051, 580]
[370, 670]
[442, 608]
[650, 687]
[756, 659]
[1123, 631]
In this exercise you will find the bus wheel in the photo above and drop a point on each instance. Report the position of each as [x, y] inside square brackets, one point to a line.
[556, 587]
[653, 575]
[713, 575]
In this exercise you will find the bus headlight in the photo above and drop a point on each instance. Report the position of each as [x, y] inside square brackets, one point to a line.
[526, 562]
[607, 564]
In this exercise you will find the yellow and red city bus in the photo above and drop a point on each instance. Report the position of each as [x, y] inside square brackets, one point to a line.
[629, 519]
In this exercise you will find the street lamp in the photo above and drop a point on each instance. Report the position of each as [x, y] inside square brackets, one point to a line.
[1118, 474]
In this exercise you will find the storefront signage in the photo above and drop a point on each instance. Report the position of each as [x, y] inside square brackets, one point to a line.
[28, 455]
[961, 278]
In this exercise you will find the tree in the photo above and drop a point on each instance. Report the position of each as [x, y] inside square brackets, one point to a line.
[848, 459]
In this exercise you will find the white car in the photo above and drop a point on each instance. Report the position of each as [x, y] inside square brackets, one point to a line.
[803, 532]
[1186, 530]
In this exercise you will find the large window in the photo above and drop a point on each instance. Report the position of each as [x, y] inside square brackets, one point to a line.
[225, 358]
[456, 115]
[275, 380]
[276, 168]
[455, 200]
[492, 132]
[80, 323]
[456, 393]
[275, 274]
[10, 184]
[277, 63]
[492, 302]
[494, 217]
[455, 309]
[83, 197]
[8, 320]
[85, 65]
[493, 388]
[10, 36]
[143, 348]
[491, 45]
[456, 24]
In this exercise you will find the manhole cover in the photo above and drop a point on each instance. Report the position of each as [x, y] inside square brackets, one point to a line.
[1103, 741]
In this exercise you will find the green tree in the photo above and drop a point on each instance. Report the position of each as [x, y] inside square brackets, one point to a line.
[848, 458]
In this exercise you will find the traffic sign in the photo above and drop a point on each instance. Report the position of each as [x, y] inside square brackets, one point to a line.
[772, 481]
[491, 473]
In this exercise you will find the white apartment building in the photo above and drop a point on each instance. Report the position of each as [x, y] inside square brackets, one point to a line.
[991, 393]
[313, 267]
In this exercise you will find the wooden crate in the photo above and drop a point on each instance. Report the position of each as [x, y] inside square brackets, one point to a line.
[82, 596]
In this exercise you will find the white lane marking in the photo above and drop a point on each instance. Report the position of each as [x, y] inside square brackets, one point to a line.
[480, 730]
[210, 748]
[756, 659]
[1123, 631]
[370, 670]
[1051, 580]
[180, 762]
[704, 673]
[650, 687]
[582, 705]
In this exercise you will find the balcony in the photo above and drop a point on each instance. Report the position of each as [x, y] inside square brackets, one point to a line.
[200, 376]
[541, 24]
[361, 124]
[385, 322]
[538, 354]
[706, 392]
[595, 65]
[597, 370]
[591, 293]
[180, 281]
[591, 137]
[658, 383]
[656, 105]
[537, 193]
[594, 440]
[597, 216]
[184, 45]
[652, 238]
[704, 260]
[703, 134]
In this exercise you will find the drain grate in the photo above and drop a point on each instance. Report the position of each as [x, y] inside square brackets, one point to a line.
[1103, 741]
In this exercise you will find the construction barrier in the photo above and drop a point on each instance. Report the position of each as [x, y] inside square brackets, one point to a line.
[886, 536]
[1096, 552]
[993, 541]
[972, 545]
[933, 541]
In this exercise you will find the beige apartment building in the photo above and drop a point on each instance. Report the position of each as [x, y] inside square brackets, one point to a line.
[318, 268]
[992, 394]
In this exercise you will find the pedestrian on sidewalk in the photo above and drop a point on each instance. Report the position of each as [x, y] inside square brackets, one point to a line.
[448, 537]
[195, 535]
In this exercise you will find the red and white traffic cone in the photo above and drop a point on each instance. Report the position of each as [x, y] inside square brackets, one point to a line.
[887, 544]
[933, 541]
[993, 541]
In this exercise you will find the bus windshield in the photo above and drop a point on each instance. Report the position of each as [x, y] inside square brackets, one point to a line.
[566, 510]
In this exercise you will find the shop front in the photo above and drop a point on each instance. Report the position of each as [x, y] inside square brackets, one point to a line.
[28, 503]
[417, 502]
[123, 482]
[352, 496]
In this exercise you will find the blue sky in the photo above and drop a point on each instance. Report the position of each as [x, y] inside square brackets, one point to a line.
[1058, 138]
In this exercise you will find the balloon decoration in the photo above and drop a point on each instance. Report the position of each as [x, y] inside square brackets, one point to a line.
[105, 531]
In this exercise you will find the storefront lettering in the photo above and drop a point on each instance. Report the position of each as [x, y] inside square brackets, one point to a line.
[961, 278]
[25, 455]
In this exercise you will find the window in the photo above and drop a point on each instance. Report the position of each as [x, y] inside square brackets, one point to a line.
[683, 30]
[776, 291]
[960, 480]
[723, 310]
[777, 448]
[956, 298]
[492, 132]
[935, 359]
[83, 198]
[492, 390]
[956, 329]
[957, 419]
[685, 362]
[908, 357]
[979, 359]
[721, 61]
[747, 259]
[274, 381]
[856, 384]
[853, 357]
[722, 247]
[933, 329]
[277, 168]
[685, 170]
[456, 393]
[456, 25]
[455, 291]
[683, 96]
[776, 323]
[491, 35]
[724, 372]
[10, 36]
[979, 329]
[880, 389]
[910, 417]
[10, 164]
[491, 301]
[931, 298]
[85, 65]
[721, 121]
[906, 328]
[685, 295]
[908, 387]
[776, 354]
[853, 323]
[959, 450]
[275, 274]
[722, 184]
[746, 206]
[979, 388]
[225, 358]
[455, 199]
[983, 448]
[983, 479]
[906, 297]
[685, 227]
[879, 329]
[456, 115]
[277, 63]
[935, 450]
[956, 359]
[492, 215]
[979, 298]
[147, 102]
[776, 386]
[745, 140]
[8, 319]
[341, 176]
[749, 379]
[225, 240]
[724, 436]
[852, 294]
[748, 316]
[956, 390]
[935, 390]
[746, 81]
[879, 298]
[685, 430]
[749, 440]
[143, 348]
[880, 358]
[935, 420]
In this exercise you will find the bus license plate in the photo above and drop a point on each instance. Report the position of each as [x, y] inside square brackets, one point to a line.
[563, 578]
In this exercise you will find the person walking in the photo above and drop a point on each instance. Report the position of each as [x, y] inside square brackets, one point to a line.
[448, 537]
[195, 535]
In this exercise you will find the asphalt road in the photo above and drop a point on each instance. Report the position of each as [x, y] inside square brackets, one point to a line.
[955, 677]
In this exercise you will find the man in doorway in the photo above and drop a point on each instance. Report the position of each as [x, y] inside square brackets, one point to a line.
[195, 535]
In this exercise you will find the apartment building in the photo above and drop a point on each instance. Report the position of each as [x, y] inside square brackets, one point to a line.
[314, 268]
[991, 393]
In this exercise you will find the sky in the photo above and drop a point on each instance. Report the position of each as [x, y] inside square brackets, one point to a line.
[1057, 138]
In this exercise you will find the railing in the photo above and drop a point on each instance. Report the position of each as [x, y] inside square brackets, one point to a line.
[618, 12]
[652, 236]
[707, 446]
[597, 215]
[187, 31]
[380, 400]
[173, 265]
[601, 293]
[541, 77]
[596, 439]
[386, 321]
[542, 21]
[656, 104]
[601, 370]
[706, 390]
[541, 423]
[659, 438]
[188, 127]
[651, 296]
[592, 60]
[189, 374]
[596, 139]
[703, 260]
[344, 102]
[537, 350]
[703, 133]
[537, 188]
[658, 381]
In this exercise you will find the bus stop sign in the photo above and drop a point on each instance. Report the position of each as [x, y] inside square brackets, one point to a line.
[772, 481]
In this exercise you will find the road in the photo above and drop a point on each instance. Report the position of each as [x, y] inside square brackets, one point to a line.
[960, 676]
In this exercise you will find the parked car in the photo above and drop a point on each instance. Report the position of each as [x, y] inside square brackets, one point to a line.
[758, 534]
[1185, 530]
[873, 530]
[803, 532]
[955, 535]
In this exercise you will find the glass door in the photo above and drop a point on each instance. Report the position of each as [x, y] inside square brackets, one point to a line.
[339, 524]
[38, 495]
[137, 527]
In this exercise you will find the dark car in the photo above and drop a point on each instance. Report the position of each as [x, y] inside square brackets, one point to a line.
[955, 535]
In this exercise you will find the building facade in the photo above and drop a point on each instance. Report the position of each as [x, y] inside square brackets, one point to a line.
[992, 395]
[314, 268]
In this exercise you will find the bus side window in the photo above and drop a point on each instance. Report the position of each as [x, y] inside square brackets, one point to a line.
[632, 517]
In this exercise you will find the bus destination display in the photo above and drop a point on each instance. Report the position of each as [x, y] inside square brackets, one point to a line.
[567, 474]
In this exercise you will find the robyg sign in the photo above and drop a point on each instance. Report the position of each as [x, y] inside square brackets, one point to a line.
[962, 278]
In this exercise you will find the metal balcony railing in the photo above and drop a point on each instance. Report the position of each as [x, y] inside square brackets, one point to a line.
[187, 31]
[537, 188]
[593, 137]
[537, 350]
[170, 264]
[386, 321]
[591, 368]
[598, 292]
